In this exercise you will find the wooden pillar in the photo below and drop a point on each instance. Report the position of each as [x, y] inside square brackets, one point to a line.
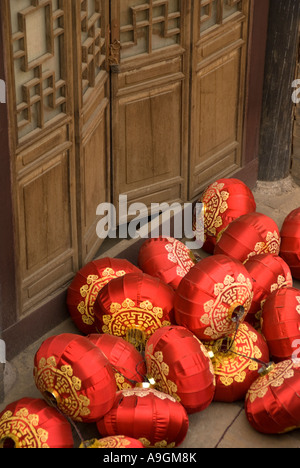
[277, 113]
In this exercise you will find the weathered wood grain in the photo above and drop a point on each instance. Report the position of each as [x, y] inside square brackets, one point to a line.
[277, 114]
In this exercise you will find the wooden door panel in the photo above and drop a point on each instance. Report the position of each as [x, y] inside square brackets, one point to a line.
[95, 182]
[150, 100]
[217, 106]
[48, 209]
[40, 72]
[45, 221]
[92, 91]
[60, 138]
[145, 151]
[220, 40]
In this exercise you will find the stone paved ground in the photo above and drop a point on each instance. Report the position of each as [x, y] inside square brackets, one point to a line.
[221, 425]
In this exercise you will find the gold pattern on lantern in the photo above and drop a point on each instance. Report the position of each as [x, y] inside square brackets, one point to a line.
[231, 367]
[129, 315]
[142, 393]
[180, 255]
[22, 429]
[112, 442]
[282, 282]
[217, 317]
[90, 291]
[159, 445]
[159, 370]
[271, 245]
[215, 201]
[121, 382]
[283, 371]
[298, 306]
[289, 429]
[208, 356]
[48, 377]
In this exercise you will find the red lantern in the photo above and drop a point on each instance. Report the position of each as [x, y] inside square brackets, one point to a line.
[224, 201]
[154, 418]
[128, 364]
[134, 307]
[181, 367]
[116, 442]
[237, 361]
[31, 423]
[73, 372]
[269, 273]
[249, 235]
[215, 292]
[86, 285]
[290, 244]
[273, 400]
[281, 323]
[167, 259]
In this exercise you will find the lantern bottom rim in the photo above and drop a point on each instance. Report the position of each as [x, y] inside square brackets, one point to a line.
[267, 369]
[9, 441]
[52, 396]
[236, 312]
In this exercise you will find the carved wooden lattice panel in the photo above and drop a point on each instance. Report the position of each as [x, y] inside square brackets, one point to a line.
[215, 12]
[38, 36]
[93, 43]
[149, 26]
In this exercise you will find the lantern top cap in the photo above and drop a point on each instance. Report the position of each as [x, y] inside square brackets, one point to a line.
[266, 370]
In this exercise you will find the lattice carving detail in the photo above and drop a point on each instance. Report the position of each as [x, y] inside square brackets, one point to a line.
[93, 42]
[37, 45]
[157, 13]
[207, 6]
[213, 12]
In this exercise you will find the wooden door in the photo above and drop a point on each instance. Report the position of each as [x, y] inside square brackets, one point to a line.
[150, 83]
[218, 90]
[59, 138]
[178, 95]
[92, 118]
[39, 57]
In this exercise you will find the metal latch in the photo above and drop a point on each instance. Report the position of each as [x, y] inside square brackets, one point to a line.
[114, 56]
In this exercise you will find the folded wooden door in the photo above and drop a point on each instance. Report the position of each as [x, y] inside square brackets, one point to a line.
[39, 61]
[150, 83]
[92, 118]
[218, 93]
[59, 106]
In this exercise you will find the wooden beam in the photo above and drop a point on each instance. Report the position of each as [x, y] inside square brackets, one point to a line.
[277, 113]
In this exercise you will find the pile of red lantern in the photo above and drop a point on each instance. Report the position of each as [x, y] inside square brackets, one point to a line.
[163, 340]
